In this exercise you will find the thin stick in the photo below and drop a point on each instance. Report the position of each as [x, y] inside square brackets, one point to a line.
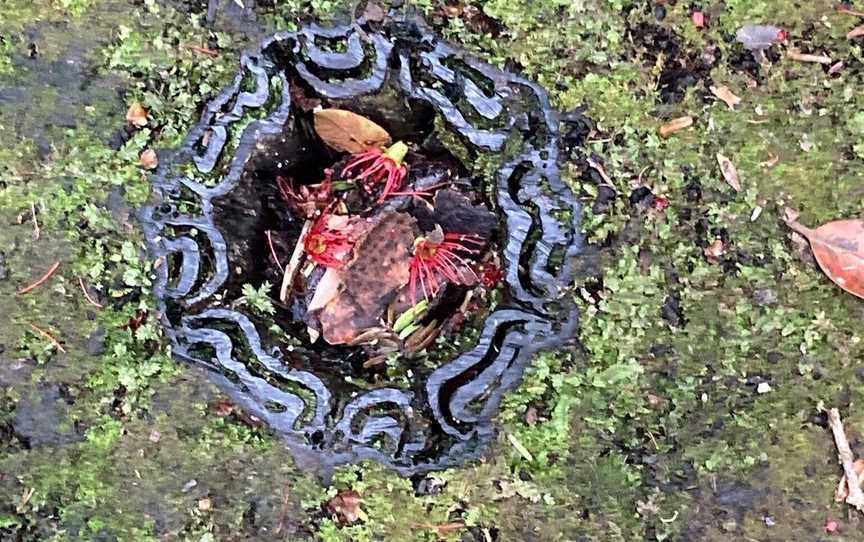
[41, 281]
[443, 528]
[48, 336]
[273, 252]
[198, 49]
[804, 57]
[37, 233]
[603, 174]
[847, 11]
[87, 294]
[294, 263]
[844, 454]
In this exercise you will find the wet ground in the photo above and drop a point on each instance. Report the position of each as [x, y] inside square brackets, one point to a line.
[690, 410]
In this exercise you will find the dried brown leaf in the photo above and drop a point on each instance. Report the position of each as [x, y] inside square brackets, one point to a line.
[730, 174]
[136, 115]
[149, 159]
[856, 32]
[349, 132]
[727, 96]
[346, 506]
[715, 250]
[839, 250]
[675, 125]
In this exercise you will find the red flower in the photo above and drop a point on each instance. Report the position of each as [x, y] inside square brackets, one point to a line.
[376, 166]
[661, 203]
[445, 258]
[325, 244]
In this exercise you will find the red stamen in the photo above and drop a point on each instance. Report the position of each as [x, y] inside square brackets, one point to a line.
[446, 258]
[374, 167]
[327, 246]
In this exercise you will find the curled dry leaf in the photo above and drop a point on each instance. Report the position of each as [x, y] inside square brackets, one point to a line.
[136, 115]
[149, 159]
[675, 125]
[349, 132]
[730, 174]
[727, 96]
[839, 250]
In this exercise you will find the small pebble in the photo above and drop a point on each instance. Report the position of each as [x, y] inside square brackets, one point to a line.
[763, 387]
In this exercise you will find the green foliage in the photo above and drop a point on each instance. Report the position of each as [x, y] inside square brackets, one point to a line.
[259, 299]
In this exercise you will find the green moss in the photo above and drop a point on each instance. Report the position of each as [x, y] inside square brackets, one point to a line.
[632, 436]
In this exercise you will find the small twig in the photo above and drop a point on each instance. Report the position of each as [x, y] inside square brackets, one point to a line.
[844, 454]
[283, 513]
[443, 528]
[846, 11]
[273, 252]
[603, 174]
[87, 294]
[199, 49]
[294, 263]
[41, 281]
[37, 233]
[25, 498]
[793, 54]
[48, 336]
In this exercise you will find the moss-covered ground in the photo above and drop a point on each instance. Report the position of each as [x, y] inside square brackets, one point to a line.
[691, 409]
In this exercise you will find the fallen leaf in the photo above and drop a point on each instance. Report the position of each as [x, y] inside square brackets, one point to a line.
[839, 250]
[349, 132]
[771, 161]
[675, 125]
[149, 159]
[723, 93]
[453, 10]
[730, 174]
[715, 250]
[380, 269]
[856, 32]
[346, 506]
[699, 19]
[843, 488]
[136, 115]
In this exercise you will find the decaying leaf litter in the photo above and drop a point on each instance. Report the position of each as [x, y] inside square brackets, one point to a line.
[816, 212]
[377, 251]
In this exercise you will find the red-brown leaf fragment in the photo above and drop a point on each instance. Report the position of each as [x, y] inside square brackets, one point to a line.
[346, 507]
[839, 249]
